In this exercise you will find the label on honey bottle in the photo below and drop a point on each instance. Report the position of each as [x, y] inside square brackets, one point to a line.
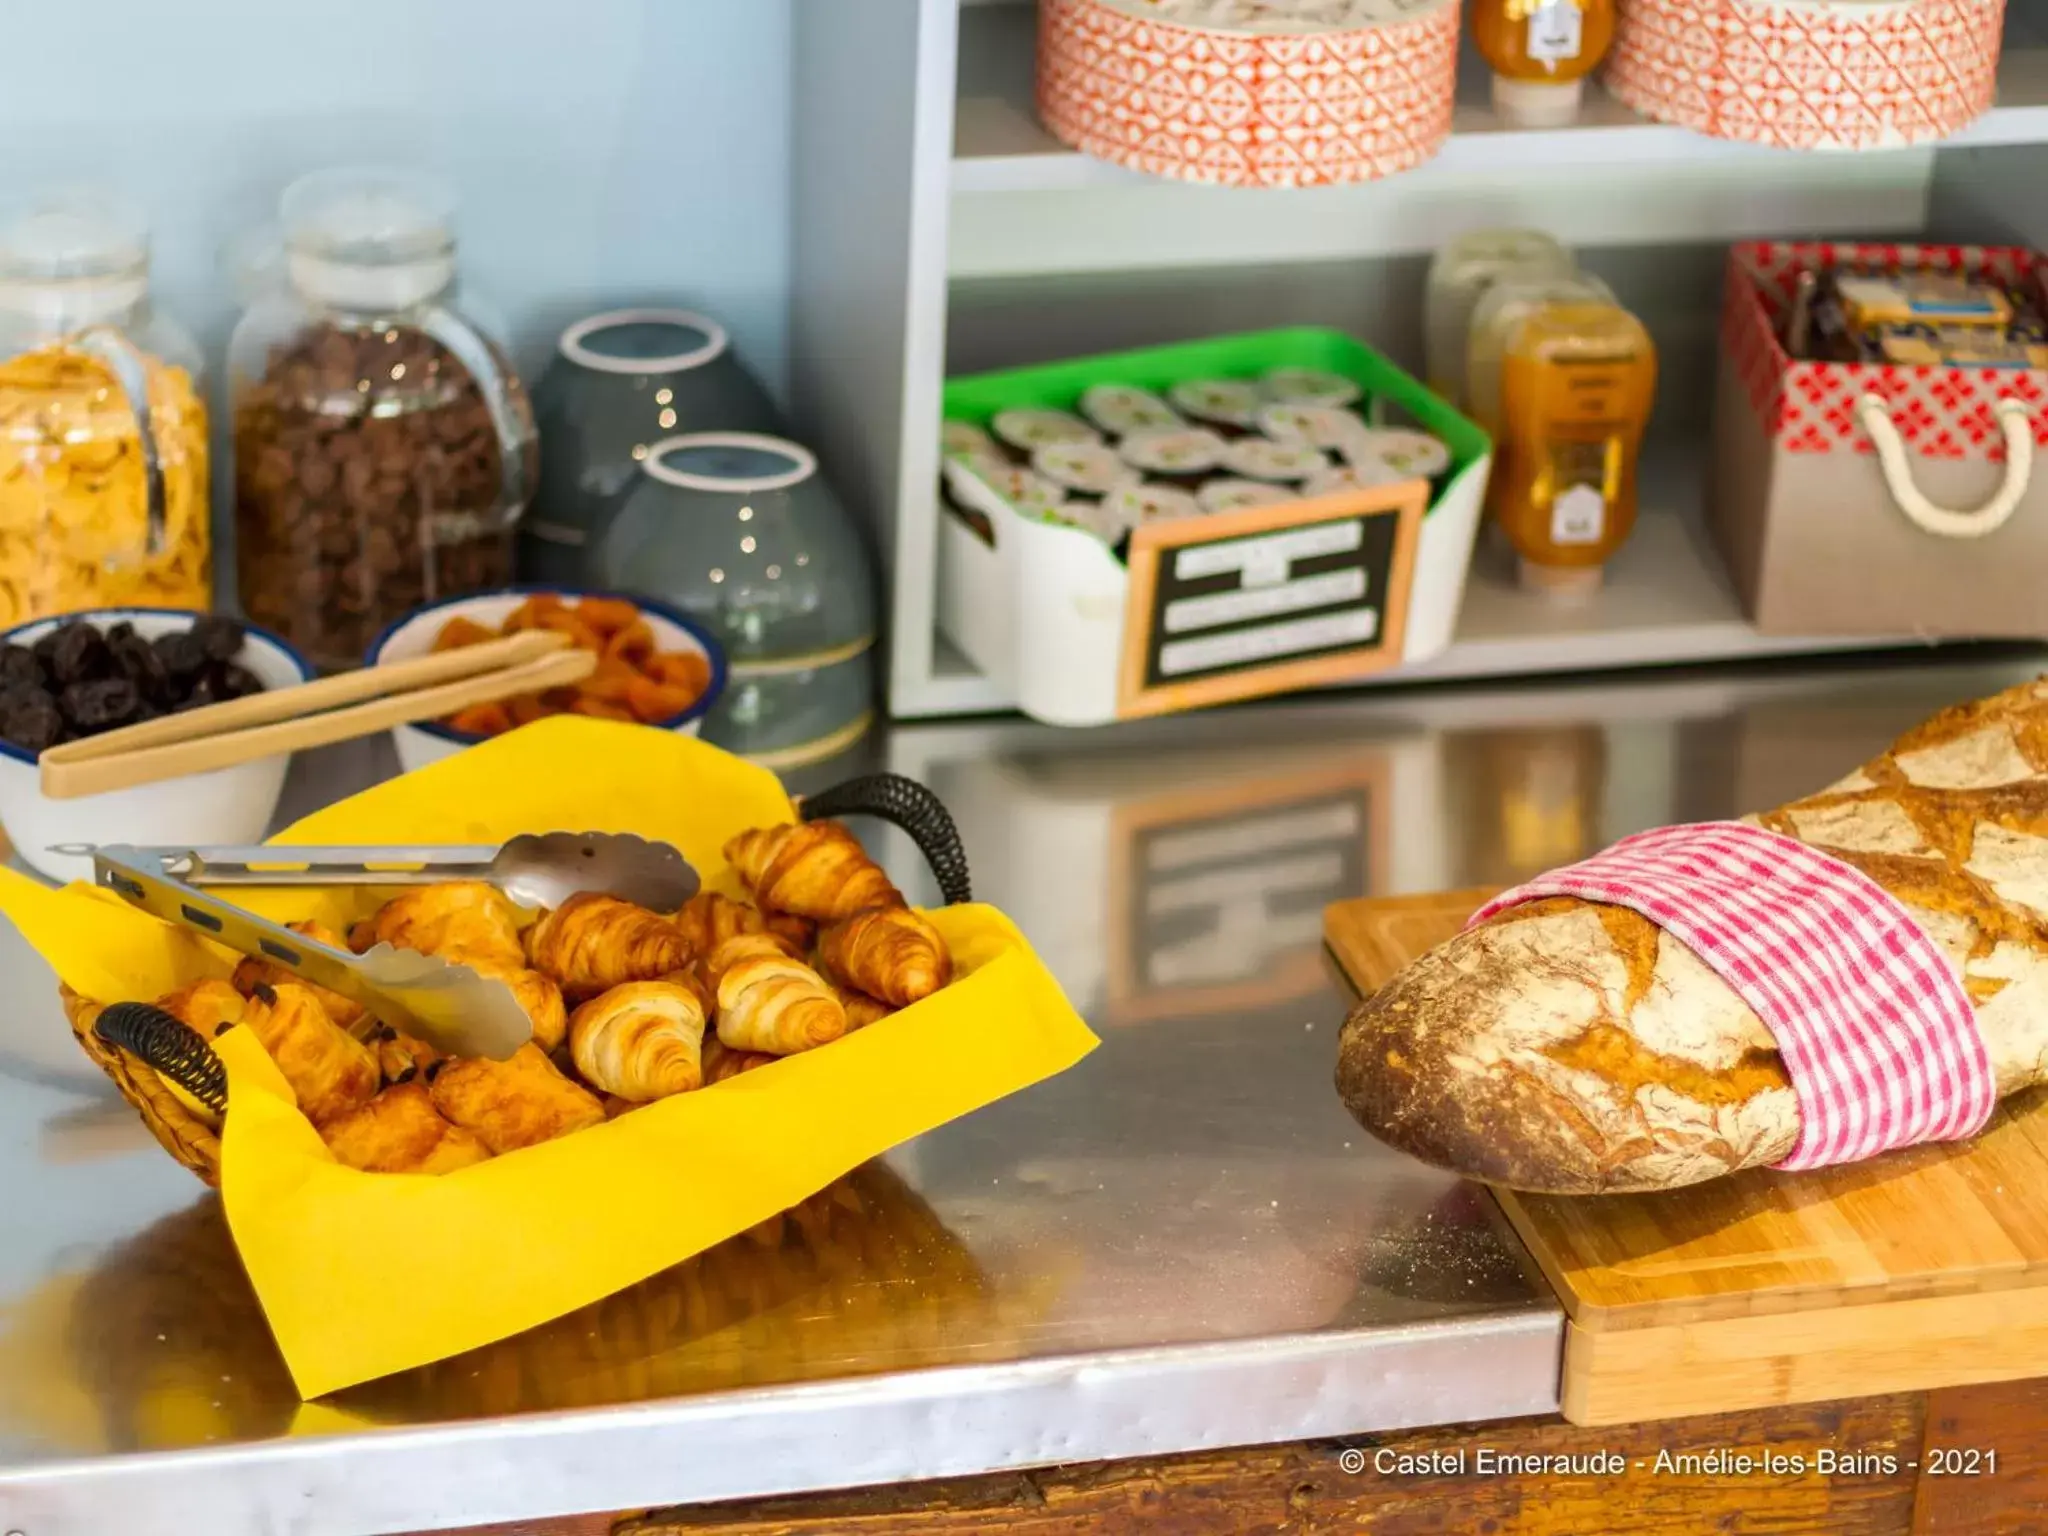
[1578, 516]
[1554, 27]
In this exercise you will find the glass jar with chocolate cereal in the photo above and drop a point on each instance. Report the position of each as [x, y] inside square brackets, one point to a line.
[384, 449]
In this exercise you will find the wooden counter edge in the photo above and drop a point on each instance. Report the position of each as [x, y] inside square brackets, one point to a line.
[1883, 1485]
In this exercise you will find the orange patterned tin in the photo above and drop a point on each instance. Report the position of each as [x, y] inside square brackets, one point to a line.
[1250, 93]
[1796, 74]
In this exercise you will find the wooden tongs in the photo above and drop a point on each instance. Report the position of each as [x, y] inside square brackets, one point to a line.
[315, 714]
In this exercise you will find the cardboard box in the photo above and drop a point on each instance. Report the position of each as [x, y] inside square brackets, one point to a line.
[1854, 498]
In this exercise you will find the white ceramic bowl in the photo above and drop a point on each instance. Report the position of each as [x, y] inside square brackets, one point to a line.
[228, 805]
[429, 741]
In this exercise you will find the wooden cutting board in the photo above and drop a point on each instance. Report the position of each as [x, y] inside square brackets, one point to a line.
[1924, 1268]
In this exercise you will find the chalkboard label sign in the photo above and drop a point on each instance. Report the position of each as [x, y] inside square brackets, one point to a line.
[1246, 603]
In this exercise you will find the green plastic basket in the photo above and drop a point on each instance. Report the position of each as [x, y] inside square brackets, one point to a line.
[1058, 386]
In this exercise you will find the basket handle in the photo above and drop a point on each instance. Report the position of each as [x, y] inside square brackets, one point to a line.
[1929, 516]
[170, 1046]
[909, 805]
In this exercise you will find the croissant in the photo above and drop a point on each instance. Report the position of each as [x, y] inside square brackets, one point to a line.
[769, 1002]
[817, 869]
[400, 1057]
[400, 1131]
[861, 1010]
[592, 943]
[708, 919]
[252, 973]
[330, 1071]
[468, 916]
[642, 1041]
[888, 952]
[722, 1062]
[511, 1104]
[206, 1007]
[537, 994]
[711, 968]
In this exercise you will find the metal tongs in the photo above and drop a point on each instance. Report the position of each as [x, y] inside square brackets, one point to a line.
[451, 1007]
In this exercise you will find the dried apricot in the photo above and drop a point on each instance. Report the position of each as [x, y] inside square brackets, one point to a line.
[527, 708]
[607, 615]
[610, 682]
[528, 614]
[633, 645]
[601, 710]
[460, 631]
[651, 701]
[483, 719]
[682, 669]
[565, 621]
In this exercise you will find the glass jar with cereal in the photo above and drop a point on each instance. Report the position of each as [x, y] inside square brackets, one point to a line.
[103, 456]
[384, 449]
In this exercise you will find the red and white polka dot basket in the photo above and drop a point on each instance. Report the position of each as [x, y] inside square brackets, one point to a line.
[1875, 498]
[1809, 74]
[1250, 93]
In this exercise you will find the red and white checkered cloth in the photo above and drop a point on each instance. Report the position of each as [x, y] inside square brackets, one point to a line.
[1876, 1032]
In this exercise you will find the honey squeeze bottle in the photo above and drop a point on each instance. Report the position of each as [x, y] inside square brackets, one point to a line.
[1541, 52]
[1576, 387]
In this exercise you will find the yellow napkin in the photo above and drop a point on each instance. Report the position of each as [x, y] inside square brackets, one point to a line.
[363, 1274]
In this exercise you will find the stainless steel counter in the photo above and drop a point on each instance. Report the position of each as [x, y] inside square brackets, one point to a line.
[1183, 1242]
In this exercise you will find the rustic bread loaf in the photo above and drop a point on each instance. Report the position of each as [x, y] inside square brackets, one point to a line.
[1574, 1047]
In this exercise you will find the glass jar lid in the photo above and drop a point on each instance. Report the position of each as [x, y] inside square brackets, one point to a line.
[644, 341]
[741, 463]
[368, 239]
[73, 264]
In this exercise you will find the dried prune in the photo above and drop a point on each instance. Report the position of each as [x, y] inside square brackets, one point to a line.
[80, 655]
[182, 654]
[137, 660]
[220, 637]
[19, 668]
[29, 718]
[236, 682]
[100, 705]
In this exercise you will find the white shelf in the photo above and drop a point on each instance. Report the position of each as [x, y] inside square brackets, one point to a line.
[999, 146]
[1666, 602]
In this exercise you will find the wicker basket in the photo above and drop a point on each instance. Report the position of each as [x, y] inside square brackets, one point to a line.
[186, 1130]
[188, 1137]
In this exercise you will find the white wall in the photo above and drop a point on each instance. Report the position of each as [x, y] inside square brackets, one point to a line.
[604, 150]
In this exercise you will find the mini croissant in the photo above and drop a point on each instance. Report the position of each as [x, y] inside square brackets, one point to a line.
[536, 993]
[721, 1062]
[889, 952]
[817, 870]
[592, 943]
[861, 1010]
[512, 1104]
[252, 973]
[711, 968]
[205, 1007]
[769, 1002]
[457, 916]
[330, 1071]
[708, 919]
[400, 1131]
[642, 1041]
